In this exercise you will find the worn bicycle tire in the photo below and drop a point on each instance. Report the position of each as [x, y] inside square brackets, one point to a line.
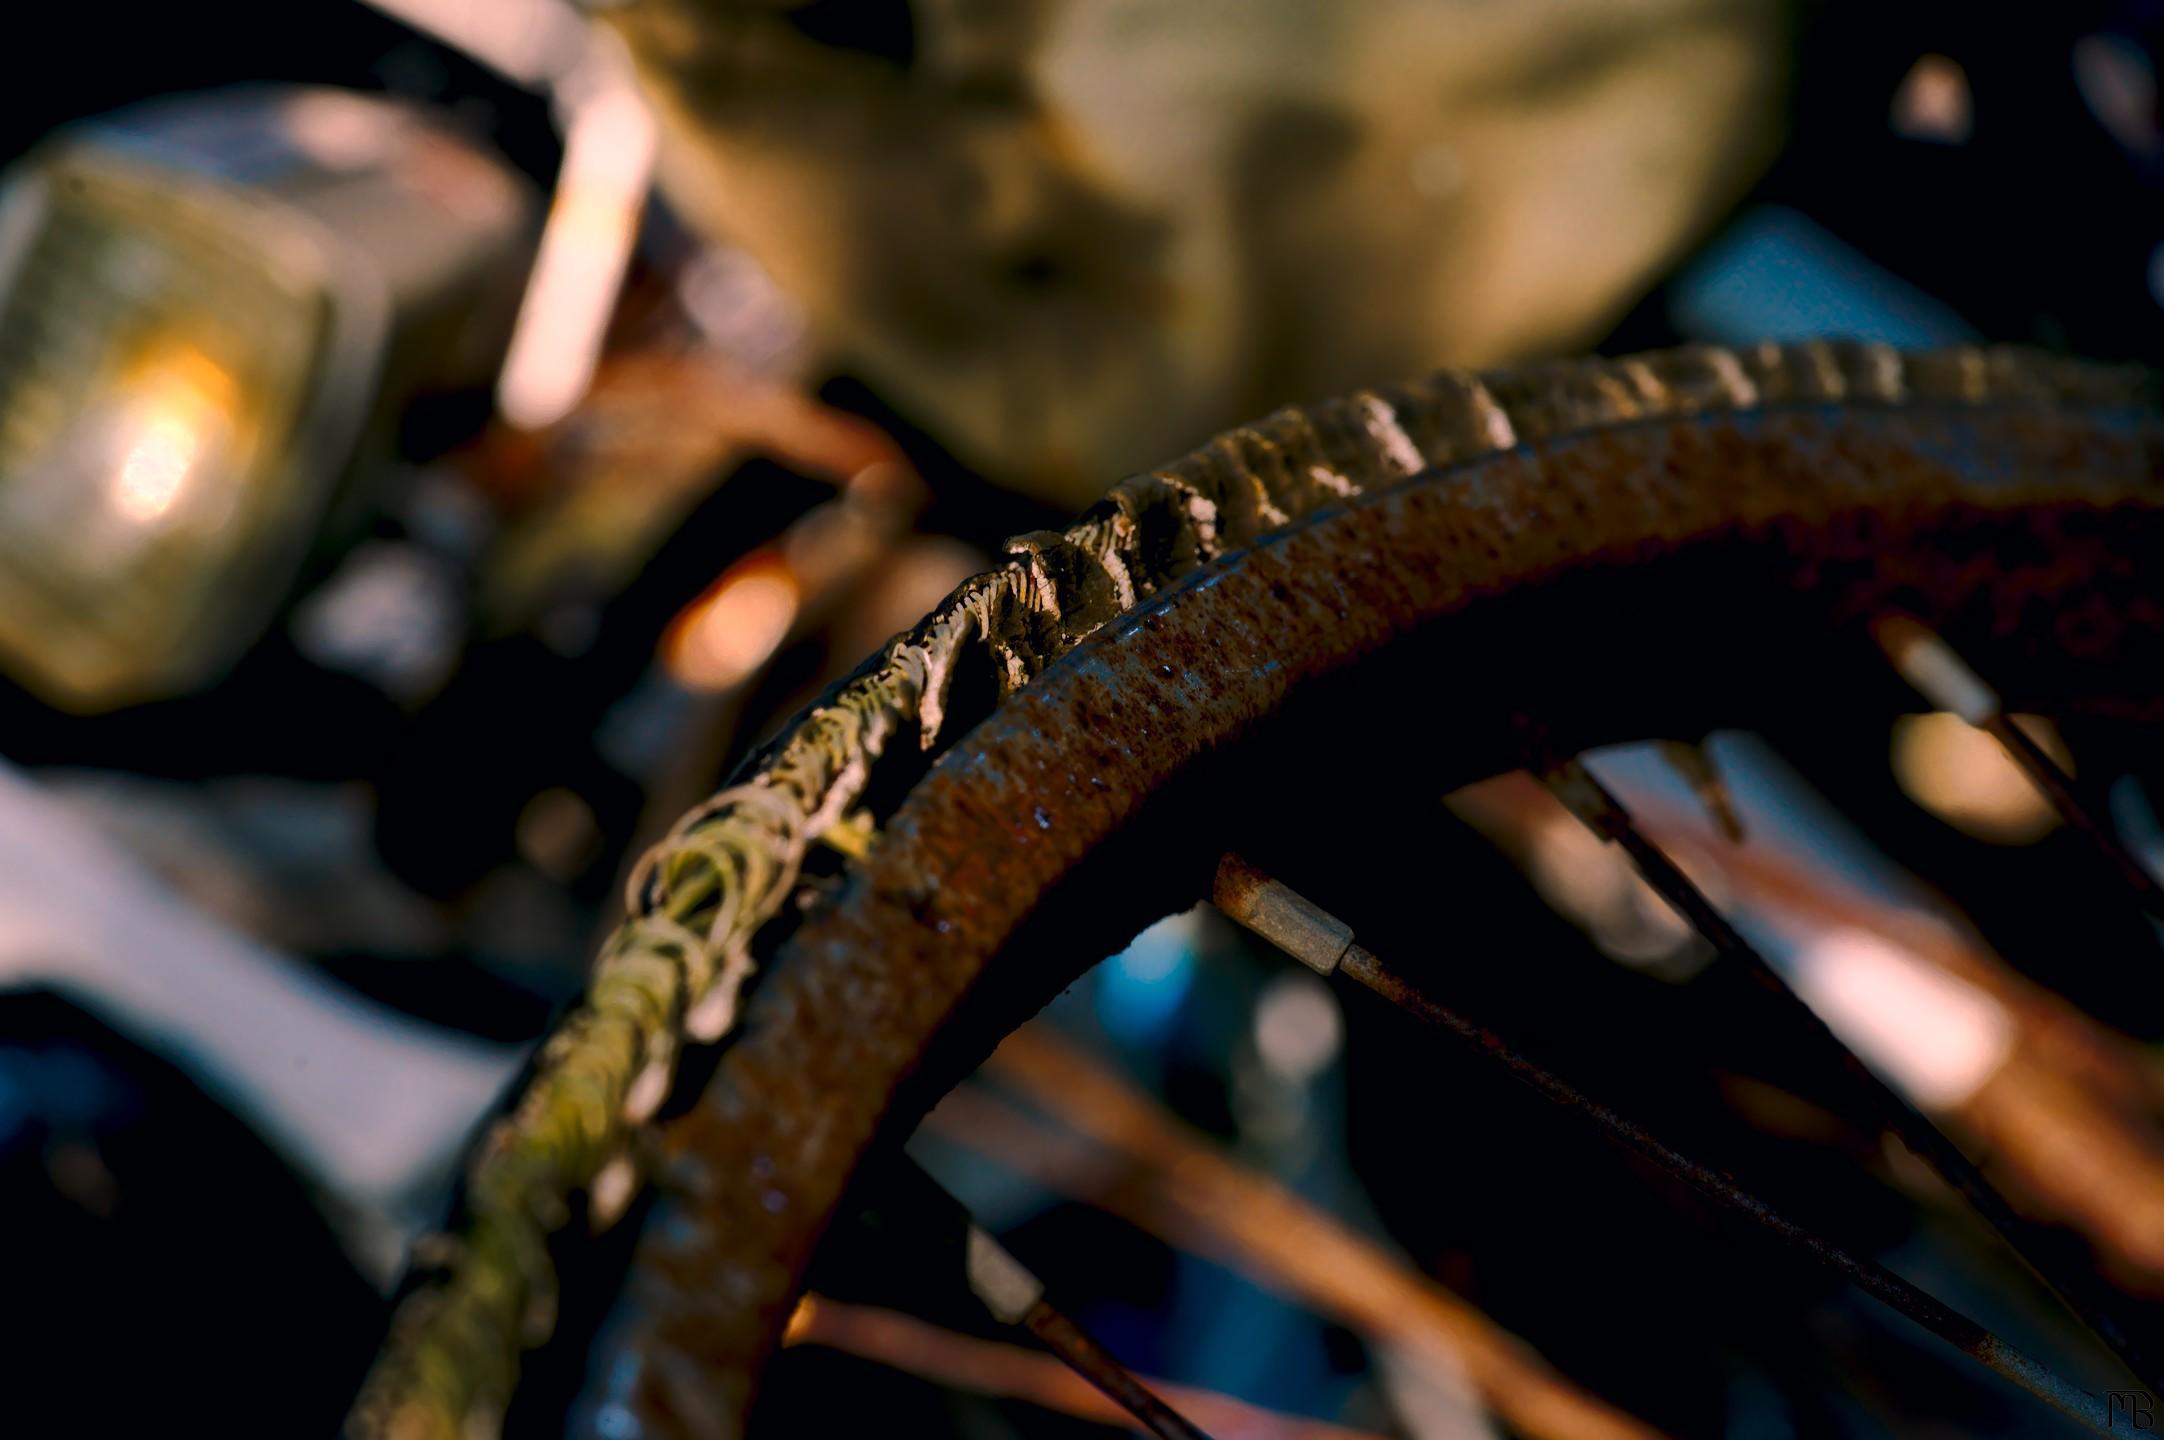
[1109, 660]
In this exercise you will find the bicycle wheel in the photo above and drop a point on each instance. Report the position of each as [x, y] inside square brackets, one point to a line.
[1304, 629]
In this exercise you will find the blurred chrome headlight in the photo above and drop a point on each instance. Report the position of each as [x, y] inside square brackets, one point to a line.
[199, 313]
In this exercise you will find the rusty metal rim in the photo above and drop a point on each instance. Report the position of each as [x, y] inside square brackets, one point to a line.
[668, 982]
[859, 993]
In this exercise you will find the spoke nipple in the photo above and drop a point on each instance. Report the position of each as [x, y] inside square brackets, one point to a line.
[1003, 1283]
[1930, 665]
[1281, 915]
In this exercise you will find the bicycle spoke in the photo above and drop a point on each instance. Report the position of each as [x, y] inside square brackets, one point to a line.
[1941, 676]
[1606, 816]
[1113, 1147]
[1371, 533]
[1324, 943]
[1015, 1296]
[1090, 1360]
[968, 1364]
